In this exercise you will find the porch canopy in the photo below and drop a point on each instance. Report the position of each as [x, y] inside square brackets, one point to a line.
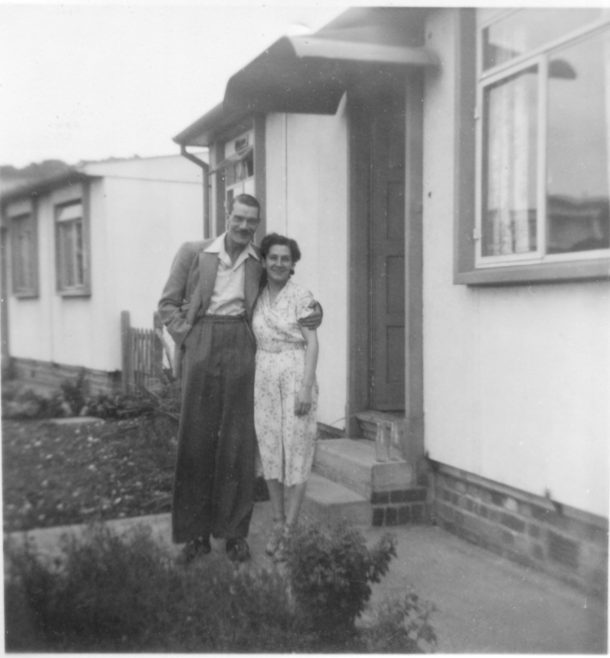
[310, 74]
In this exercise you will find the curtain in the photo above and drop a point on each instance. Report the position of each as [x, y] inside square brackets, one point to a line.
[511, 166]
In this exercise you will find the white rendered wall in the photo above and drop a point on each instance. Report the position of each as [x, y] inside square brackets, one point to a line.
[136, 226]
[146, 224]
[306, 190]
[516, 378]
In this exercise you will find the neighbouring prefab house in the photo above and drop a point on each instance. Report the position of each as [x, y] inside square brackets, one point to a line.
[83, 247]
[446, 174]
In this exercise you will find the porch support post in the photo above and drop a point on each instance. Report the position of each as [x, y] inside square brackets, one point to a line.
[358, 279]
[413, 447]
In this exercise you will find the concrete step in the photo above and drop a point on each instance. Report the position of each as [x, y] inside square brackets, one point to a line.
[330, 502]
[352, 463]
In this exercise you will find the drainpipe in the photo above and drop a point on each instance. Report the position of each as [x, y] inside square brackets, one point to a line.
[205, 168]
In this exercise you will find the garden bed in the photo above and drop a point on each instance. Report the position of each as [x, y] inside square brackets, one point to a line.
[76, 473]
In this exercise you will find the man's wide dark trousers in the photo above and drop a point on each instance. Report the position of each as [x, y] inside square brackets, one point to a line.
[214, 480]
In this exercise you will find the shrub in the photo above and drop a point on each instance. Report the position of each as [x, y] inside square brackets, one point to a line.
[111, 593]
[73, 399]
[75, 393]
[400, 626]
[26, 403]
[330, 571]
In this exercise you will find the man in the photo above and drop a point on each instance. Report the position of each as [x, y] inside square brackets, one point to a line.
[207, 306]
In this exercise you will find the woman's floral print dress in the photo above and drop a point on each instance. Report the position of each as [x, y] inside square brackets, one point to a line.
[286, 441]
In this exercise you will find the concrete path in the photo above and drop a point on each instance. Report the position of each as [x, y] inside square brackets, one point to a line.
[485, 604]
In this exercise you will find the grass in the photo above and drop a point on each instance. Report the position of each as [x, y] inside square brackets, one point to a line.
[66, 474]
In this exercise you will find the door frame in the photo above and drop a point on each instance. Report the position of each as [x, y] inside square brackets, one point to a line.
[359, 195]
[4, 320]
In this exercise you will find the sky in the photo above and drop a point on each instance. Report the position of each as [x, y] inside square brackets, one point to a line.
[89, 81]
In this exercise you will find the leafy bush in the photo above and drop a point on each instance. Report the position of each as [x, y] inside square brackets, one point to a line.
[331, 571]
[27, 404]
[73, 399]
[126, 594]
[122, 594]
[75, 393]
[400, 626]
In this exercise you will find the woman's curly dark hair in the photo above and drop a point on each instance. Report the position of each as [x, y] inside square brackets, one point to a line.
[273, 239]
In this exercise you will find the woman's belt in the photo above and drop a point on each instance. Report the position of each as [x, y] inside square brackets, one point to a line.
[281, 347]
[221, 319]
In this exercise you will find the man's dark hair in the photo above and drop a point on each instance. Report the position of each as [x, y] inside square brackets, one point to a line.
[272, 239]
[247, 200]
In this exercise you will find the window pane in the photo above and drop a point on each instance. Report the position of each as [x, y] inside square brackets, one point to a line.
[578, 136]
[509, 166]
[64, 251]
[525, 30]
[23, 254]
[71, 254]
[25, 266]
[79, 262]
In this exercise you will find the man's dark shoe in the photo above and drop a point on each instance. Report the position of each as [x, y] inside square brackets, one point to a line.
[238, 550]
[195, 548]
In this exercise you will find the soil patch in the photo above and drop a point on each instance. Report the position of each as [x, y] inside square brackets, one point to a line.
[61, 474]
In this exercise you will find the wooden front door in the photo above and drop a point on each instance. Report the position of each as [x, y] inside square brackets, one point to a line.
[387, 251]
[385, 370]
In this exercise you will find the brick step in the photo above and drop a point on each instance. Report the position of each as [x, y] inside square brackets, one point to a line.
[330, 502]
[352, 464]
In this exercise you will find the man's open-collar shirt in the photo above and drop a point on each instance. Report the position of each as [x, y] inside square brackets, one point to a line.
[228, 296]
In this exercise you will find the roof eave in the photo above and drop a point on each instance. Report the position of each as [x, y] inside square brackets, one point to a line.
[310, 74]
[202, 131]
[39, 187]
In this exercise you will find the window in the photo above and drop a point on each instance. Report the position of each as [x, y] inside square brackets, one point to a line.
[72, 270]
[233, 175]
[24, 255]
[542, 146]
[238, 165]
[238, 168]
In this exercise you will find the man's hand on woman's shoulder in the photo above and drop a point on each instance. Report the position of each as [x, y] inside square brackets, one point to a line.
[314, 319]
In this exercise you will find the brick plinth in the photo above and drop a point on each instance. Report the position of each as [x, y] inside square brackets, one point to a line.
[47, 375]
[535, 531]
[400, 507]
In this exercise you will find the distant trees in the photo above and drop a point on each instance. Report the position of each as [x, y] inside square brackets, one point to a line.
[34, 171]
[14, 177]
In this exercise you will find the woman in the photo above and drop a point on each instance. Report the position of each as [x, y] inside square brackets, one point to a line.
[285, 389]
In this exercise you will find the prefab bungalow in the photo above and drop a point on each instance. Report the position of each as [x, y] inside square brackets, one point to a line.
[445, 172]
[83, 247]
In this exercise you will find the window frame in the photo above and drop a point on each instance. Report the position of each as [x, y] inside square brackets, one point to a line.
[32, 291]
[81, 289]
[518, 268]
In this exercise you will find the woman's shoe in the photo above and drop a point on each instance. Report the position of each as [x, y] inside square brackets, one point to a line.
[276, 536]
[280, 552]
[237, 549]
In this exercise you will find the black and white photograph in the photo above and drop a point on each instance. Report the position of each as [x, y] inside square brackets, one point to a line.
[305, 327]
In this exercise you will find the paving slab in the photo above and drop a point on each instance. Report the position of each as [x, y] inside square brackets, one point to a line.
[76, 421]
[484, 603]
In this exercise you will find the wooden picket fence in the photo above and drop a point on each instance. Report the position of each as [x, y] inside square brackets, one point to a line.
[146, 356]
